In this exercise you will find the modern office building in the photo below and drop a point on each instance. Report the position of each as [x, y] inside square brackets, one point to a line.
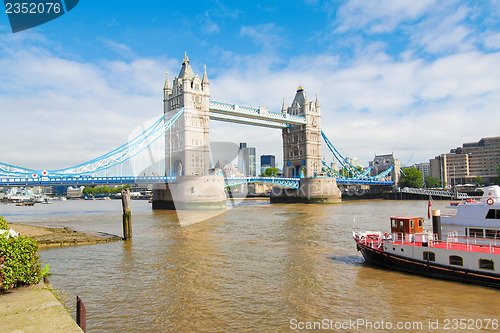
[247, 160]
[267, 161]
[464, 164]
[424, 168]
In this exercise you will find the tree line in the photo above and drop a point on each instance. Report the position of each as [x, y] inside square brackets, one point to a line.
[103, 190]
[412, 177]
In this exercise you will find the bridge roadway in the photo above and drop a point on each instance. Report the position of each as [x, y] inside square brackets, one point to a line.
[230, 181]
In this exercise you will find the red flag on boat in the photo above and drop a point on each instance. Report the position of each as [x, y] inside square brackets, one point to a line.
[429, 205]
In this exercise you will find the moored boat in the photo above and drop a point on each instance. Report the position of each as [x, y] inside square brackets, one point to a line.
[475, 217]
[25, 203]
[408, 248]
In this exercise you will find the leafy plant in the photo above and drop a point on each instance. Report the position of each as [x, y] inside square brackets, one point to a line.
[3, 224]
[19, 261]
[270, 172]
[432, 182]
[103, 190]
[411, 177]
[44, 273]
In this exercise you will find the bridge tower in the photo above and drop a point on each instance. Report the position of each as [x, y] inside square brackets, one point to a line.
[302, 156]
[187, 143]
[302, 143]
[187, 155]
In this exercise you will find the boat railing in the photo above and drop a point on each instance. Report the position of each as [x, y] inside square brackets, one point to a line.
[477, 200]
[470, 244]
[427, 239]
[417, 238]
[373, 239]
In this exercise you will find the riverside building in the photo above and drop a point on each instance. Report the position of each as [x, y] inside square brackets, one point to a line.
[464, 164]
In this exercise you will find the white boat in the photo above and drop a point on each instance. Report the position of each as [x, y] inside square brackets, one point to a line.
[475, 217]
[41, 199]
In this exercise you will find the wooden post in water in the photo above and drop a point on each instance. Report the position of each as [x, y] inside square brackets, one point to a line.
[81, 314]
[127, 215]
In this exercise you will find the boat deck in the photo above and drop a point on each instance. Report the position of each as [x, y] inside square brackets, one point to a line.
[481, 248]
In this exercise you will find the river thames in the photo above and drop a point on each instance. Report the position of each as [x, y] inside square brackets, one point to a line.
[258, 267]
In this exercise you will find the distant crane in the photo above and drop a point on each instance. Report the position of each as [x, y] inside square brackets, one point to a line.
[408, 163]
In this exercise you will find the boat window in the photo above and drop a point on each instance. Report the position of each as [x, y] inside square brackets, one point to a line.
[429, 256]
[487, 264]
[419, 223]
[411, 224]
[490, 233]
[394, 223]
[456, 260]
[493, 214]
[476, 233]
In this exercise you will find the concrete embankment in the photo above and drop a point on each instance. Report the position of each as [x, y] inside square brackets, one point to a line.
[34, 309]
[57, 237]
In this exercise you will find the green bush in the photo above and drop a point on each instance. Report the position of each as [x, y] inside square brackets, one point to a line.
[3, 224]
[19, 261]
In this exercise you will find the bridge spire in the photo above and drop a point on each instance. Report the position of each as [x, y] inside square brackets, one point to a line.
[186, 70]
[283, 107]
[204, 80]
[167, 85]
[167, 90]
[316, 103]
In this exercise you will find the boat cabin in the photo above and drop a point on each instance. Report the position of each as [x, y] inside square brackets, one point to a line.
[407, 225]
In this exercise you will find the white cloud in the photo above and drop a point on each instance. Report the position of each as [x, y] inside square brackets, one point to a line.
[492, 40]
[61, 112]
[445, 31]
[58, 112]
[377, 106]
[265, 35]
[208, 25]
[379, 16]
[121, 49]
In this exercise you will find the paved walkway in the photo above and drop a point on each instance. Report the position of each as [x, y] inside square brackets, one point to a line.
[34, 309]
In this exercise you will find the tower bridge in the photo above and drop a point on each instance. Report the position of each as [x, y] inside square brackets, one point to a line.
[187, 144]
[184, 130]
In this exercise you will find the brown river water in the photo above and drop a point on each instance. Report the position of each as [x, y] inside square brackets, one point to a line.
[258, 267]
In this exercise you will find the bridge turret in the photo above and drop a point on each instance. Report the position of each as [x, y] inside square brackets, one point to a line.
[204, 80]
[283, 107]
[167, 91]
[186, 72]
[205, 87]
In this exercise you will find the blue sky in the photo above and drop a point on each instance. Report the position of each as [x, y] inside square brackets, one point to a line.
[416, 78]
